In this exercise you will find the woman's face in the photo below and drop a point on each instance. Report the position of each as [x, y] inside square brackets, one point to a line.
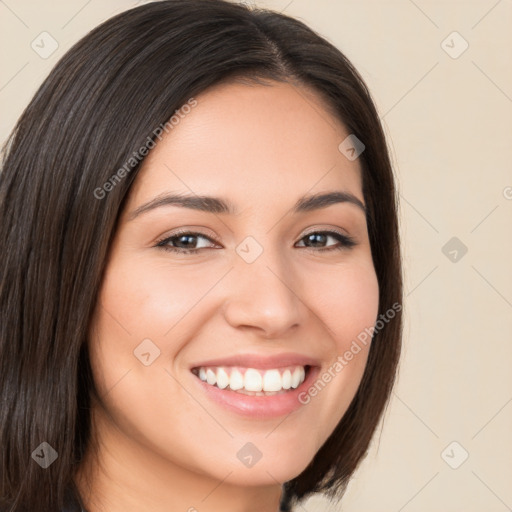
[268, 298]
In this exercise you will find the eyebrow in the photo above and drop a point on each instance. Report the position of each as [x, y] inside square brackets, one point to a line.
[222, 206]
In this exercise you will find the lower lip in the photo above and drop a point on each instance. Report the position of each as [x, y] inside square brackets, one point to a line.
[271, 406]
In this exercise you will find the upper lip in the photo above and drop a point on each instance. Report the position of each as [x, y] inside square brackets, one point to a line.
[260, 362]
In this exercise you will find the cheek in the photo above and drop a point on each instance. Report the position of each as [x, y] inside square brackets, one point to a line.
[347, 304]
[141, 301]
[146, 300]
[347, 301]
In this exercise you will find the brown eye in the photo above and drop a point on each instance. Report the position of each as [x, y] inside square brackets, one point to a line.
[182, 242]
[319, 238]
[186, 242]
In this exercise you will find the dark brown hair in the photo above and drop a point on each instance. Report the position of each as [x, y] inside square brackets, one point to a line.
[97, 107]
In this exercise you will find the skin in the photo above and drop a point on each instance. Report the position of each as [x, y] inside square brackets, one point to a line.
[163, 444]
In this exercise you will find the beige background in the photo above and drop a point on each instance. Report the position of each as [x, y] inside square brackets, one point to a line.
[449, 123]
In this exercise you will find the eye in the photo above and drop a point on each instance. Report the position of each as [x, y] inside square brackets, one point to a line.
[183, 241]
[320, 237]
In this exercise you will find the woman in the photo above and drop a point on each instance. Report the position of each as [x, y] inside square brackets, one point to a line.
[201, 289]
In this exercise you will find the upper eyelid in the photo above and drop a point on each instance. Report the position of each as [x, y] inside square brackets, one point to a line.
[188, 232]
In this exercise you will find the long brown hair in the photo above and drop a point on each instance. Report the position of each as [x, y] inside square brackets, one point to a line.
[97, 107]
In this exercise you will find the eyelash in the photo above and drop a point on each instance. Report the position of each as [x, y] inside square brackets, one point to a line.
[346, 242]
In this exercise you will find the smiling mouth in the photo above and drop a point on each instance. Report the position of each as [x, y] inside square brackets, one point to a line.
[252, 381]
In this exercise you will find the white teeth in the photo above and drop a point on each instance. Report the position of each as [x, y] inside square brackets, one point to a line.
[272, 381]
[236, 380]
[287, 379]
[296, 378]
[253, 381]
[211, 378]
[222, 378]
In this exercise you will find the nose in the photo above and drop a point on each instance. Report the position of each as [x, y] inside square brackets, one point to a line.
[263, 296]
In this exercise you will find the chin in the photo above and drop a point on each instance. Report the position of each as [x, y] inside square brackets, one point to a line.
[271, 469]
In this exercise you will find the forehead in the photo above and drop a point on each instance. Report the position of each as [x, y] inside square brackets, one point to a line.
[253, 143]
